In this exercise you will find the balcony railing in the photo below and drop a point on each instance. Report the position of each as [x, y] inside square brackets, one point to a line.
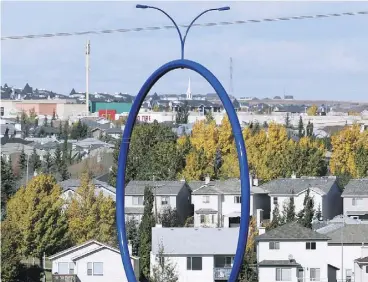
[65, 278]
[221, 273]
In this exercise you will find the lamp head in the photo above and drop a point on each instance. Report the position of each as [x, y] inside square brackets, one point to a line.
[139, 6]
[223, 8]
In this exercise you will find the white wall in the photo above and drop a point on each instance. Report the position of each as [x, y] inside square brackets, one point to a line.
[268, 274]
[362, 205]
[350, 253]
[307, 258]
[185, 275]
[197, 201]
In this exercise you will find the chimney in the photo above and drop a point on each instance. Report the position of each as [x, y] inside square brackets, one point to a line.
[250, 180]
[261, 230]
[293, 176]
[207, 179]
[158, 225]
[130, 248]
[255, 182]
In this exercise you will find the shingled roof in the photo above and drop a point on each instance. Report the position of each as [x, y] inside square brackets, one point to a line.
[292, 232]
[162, 187]
[351, 233]
[274, 263]
[230, 187]
[356, 187]
[287, 186]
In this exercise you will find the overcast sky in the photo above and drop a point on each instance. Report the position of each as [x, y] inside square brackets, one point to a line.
[318, 59]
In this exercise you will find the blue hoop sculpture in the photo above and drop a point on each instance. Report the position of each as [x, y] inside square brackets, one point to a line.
[240, 146]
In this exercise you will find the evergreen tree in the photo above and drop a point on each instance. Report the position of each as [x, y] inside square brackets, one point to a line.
[7, 184]
[287, 120]
[164, 270]
[290, 210]
[17, 120]
[48, 163]
[306, 215]
[114, 169]
[300, 128]
[22, 162]
[45, 121]
[64, 173]
[133, 235]
[318, 215]
[145, 231]
[276, 219]
[35, 161]
[265, 124]
[36, 122]
[36, 212]
[60, 133]
[66, 130]
[51, 123]
[57, 158]
[182, 114]
[53, 115]
[91, 216]
[361, 161]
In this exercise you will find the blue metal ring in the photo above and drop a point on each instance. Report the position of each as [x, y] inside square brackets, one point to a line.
[242, 158]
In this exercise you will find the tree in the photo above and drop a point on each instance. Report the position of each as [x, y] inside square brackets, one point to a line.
[145, 230]
[182, 113]
[22, 162]
[114, 170]
[7, 184]
[309, 129]
[276, 219]
[290, 210]
[90, 216]
[57, 157]
[287, 120]
[132, 233]
[300, 128]
[45, 121]
[53, 115]
[79, 130]
[265, 124]
[248, 272]
[48, 163]
[361, 161]
[164, 270]
[11, 258]
[306, 215]
[66, 130]
[318, 214]
[35, 161]
[209, 117]
[36, 212]
[169, 217]
[64, 173]
[60, 133]
[312, 111]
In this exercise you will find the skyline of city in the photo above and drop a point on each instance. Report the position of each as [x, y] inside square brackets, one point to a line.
[316, 59]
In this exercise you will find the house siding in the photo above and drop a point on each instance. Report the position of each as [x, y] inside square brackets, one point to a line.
[348, 205]
[268, 274]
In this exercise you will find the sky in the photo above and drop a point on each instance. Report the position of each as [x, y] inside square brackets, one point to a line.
[309, 59]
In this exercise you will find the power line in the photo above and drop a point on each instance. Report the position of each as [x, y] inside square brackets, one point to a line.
[152, 28]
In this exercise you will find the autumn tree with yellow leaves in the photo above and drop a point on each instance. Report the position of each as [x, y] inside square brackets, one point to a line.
[91, 216]
[312, 111]
[35, 218]
[350, 152]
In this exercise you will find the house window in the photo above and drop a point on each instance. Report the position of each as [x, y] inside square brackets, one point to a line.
[165, 200]
[274, 245]
[202, 218]
[138, 200]
[310, 245]
[63, 268]
[206, 199]
[275, 200]
[71, 268]
[237, 199]
[2, 111]
[314, 274]
[95, 268]
[283, 274]
[194, 263]
[355, 201]
[229, 261]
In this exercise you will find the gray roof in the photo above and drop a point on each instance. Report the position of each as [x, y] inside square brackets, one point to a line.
[162, 187]
[206, 211]
[134, 210]
[195, 241]
[273, 263]
[230, 186]
[287, 186]
[362, 260]
[74, 184]
[291, 232]
[351, 233]
[356, 187]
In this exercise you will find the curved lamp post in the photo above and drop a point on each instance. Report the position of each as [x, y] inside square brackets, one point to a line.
[182, 39]
[239, 142]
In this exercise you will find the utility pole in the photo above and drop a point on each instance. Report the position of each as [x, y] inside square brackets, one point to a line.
[88, 51]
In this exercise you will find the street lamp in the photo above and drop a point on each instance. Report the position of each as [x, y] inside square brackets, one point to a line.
[182, 39]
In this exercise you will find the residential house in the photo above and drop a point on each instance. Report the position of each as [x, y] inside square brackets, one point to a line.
[361, 266]
[294, 253]
[174, 194]
[218, 203]
[355, 198]
[324, 191]
[344, 247]
[198, 254]
[91, 261]
[115, 132]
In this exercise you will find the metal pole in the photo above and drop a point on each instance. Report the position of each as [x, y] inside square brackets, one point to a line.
[88, 50]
